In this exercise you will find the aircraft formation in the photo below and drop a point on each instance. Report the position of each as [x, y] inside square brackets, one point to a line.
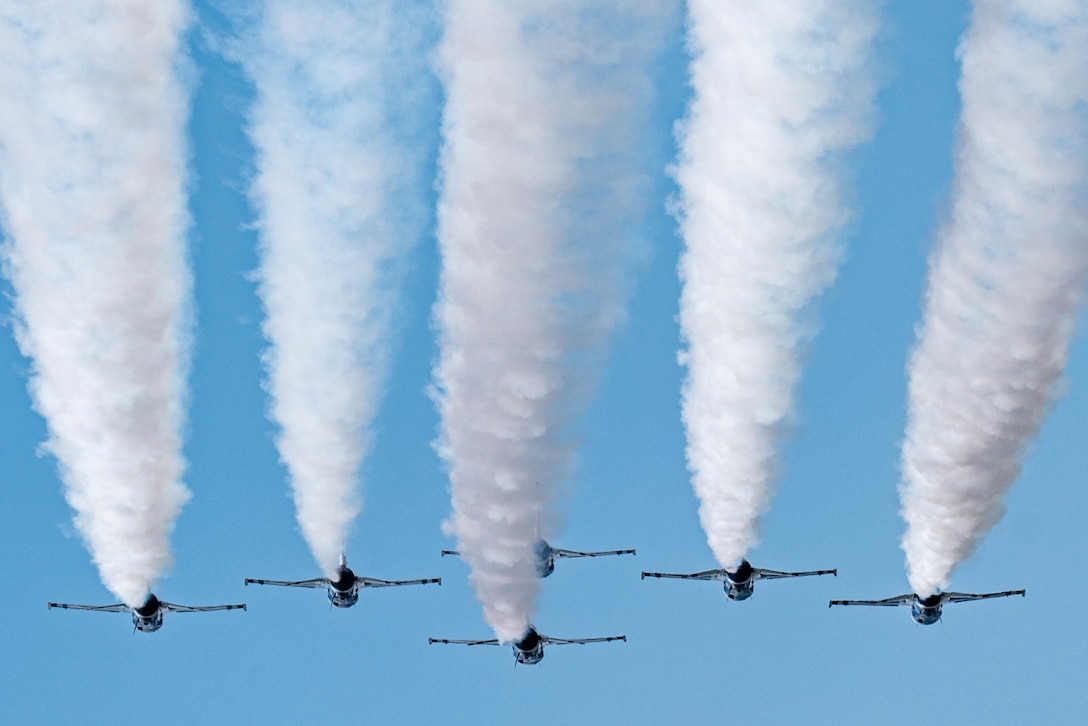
[343, 592]
[526, 308]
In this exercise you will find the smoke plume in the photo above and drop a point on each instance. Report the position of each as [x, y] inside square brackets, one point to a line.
[1005, 280]
[781, 90]
[92, 187]
[541, 189]
[340, 197]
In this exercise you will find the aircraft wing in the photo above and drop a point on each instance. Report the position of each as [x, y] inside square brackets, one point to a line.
[172, 608]
[316, 582]
[118, 608]
[432, 641]
[718, 575]
[967, 596]
[371, 582]
[886, 602]
[580, 641]
[775, 574]
[573, 553]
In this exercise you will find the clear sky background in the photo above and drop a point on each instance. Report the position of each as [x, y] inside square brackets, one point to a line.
[692, 656]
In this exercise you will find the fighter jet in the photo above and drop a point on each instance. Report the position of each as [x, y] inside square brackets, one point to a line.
[529, 650]
[344, 590]
[148, 617]
[927, 610]
[546, 555]
[739, 582]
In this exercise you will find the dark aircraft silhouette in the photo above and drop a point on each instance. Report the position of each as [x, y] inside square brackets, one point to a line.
[148, 617]
[344, 590]
[546, 555]
[530, 649]
[927, 610]
[739, 582]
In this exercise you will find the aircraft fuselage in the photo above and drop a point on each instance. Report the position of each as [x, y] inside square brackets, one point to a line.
[740, 583]
[545, 559]
[148, 617]
[530, 649]
[344, 590]
[926, 610]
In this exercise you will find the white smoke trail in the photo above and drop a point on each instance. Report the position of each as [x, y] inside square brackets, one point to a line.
[780, 91]
[338, 188]
[1005, 282]
[92, 186]
[543, 127]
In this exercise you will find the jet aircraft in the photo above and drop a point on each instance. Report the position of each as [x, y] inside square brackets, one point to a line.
[530, 649]
[148, 617]
[927, 610]
[546, 555]
[344, 590]
[739, 582]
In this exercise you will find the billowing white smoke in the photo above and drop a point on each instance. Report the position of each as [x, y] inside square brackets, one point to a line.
[781, 89]
[92, 187]
[1005, 281]
[340, 196]
[545, 119]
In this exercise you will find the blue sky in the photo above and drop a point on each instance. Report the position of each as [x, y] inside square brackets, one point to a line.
[691, 656]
